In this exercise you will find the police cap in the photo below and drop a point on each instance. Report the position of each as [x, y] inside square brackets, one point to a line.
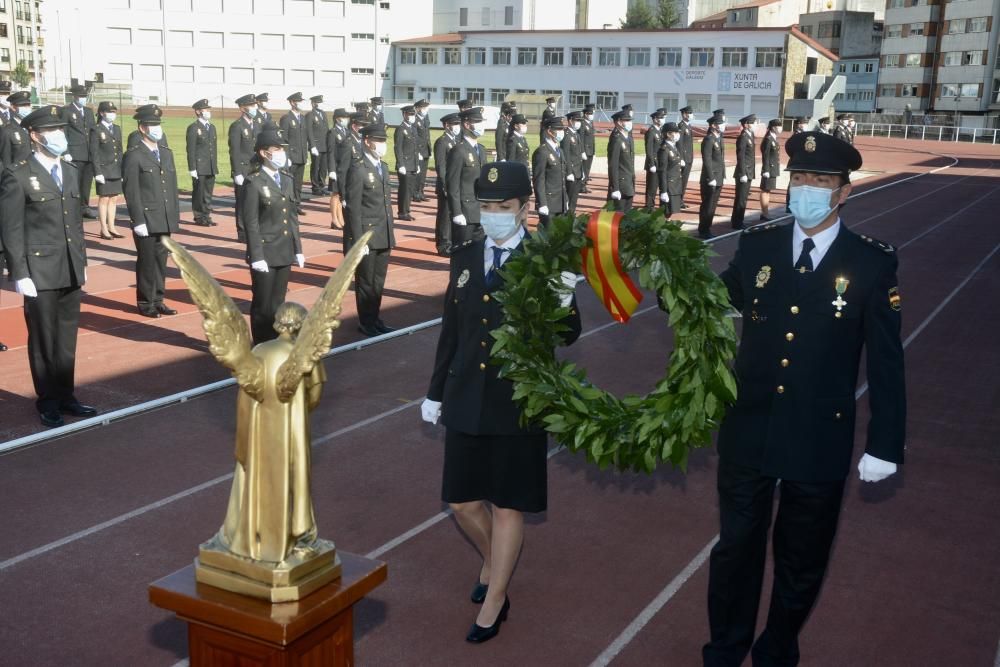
[451, 119]
[687, 110]
[589, 107]
[359, 118]
[79, 90]
[554, 123]
[500, 181]
[463, 105]
[721, 113]
[42, 118]
[262, 97]
[473, 115]
[574, 115]
[5, 87]
[821, 153]
[201, 104]
[774, 122]
[341, 112]
[518, 119]
[752, 118]
[316, 98]
[246, 100]
[375, 100]
[825, 120]
[624, 114]
[421, 103]
[671, 127]
[269, 137]
[407, 109]
[659, 113]
[716, 120]
[375, 132]
[295, 97]
[106, 106]
[148, 114]
[20, 98]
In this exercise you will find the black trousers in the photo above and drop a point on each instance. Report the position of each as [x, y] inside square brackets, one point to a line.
[573, 189]
[404, 192]
[298, 173]
[369, 281]
[86, 181]
[269, 291]
[672, 206]
[238, 193]
[442, 223]
[709, 202]
[623, 205]
[201, 196]
[685, 177]
[740, 205]
[318, 171]
[586, 168]
[803, 534]
[150, 269]
[53, 319]
[652, 186]
[463, 234]
[421, 178]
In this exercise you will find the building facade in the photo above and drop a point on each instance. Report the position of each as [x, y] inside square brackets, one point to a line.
[469, 15]
[848, 34]
[21, 39]
[861, 86]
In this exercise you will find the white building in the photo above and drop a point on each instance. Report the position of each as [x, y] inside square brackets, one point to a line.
[742, 71]
[20, 38]
[469, 15]
[176, 51]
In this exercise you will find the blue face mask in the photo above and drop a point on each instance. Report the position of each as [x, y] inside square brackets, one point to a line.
[499, 226]
[252, 112]
[809, 204]
[55, 143]
[154, 132]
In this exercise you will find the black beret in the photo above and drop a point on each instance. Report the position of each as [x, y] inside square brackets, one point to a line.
[148, 114]
[554, 123]
[106, 106]
[687, 110]
[268, 138]
[295, 97]
[671, 127]
[359, 118]
[408, 109]
[246, 100]
[451, 119]
[316, 98]
[374, 131]
[341, 112]
[774, 122]
[752, 118]
[624, 114]
[473, 115]
[20, 98]
[78, 90]
[262, 97]
[518, 119]
[821, 153]
[42, 118]
[201, 104]
[500, 181]
[375, 100]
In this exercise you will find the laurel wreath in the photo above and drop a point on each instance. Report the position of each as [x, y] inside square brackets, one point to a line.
[634, 432]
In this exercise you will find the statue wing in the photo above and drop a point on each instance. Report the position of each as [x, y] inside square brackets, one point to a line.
[227, 331]
[316, 332]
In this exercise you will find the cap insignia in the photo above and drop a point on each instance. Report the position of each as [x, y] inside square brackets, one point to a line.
[52, 111]
[493, 175]
[810, 145]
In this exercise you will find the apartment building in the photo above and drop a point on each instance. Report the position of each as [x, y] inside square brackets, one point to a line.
[20, 38]
[755, 14]
[848, 34]
[861, 86]
[468, 15]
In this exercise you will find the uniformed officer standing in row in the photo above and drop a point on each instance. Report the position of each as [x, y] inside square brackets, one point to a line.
[369, 207]
[572, 150]
[464, 162]
[621, 162]
[842, 131]
[517, 141]
[263, 117]
[149, 178]
[336, 143]
[801, 125]
[135, 137]
[423, 125]
[746, 168]
[713, 173]
[296, 133]
[686, 148]
[653, 138]
[202, 143]
[242, 137]
[79, 122]
[375, 115]
[770, 166]
[452, 124]
[589, 145]
[548, 112]
[6, 114]
[548, 172]
[15, 143]
[351, 152]
[670, 170]
[502, 131]
[824, 125]
[318, 125]
[405, 141]
[106, 158]
[271, 223]
[813, 295]
[47, 259]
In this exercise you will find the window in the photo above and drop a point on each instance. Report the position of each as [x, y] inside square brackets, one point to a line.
[609, 57]
[242, 75]
[995, 98]
[463, 16]
[238, 41]
[581, 57]
[806, 30]
[331, 78]
[867, 95]
[909, 90]
[210, 40]
[956, 26]
[451, 95]
[526, 91]
[869, 68]
[475, 95]
[408, 55]
[913, 59]
[142, 37]
[700, 103]
[855, 68]
[887, 91]
[3, 29]
[829, 29]
[365, 36]
[476, 55]
[553, 55]
[426, 91]
[734, 56]
[428, 56]
[842, 68]
[551, 93]
[896, 4]
[150, 73]
[501, 55]
[893, 31]
[526, 56]
[331, 44]
[972, 58]
[508, 15]
[498, 95]
[5, 57]
[949, 90]
[301, 43]
[702, 57]
[638, 57]
[182, 73]
[892, 60]
[271, 42]
[384, 4]
[668, 56]
[669, 101]
[916, 29]
[115, 35]
[607, 100]
[486, 16]
[453, 56]
[770, 56]
[579, 98]
[359, 71]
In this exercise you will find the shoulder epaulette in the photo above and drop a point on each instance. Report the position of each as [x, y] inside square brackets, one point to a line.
[766, 227]
[875, 243]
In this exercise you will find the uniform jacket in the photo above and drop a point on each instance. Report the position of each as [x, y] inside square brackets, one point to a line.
[263, 120]
[473, 398]
[135, 138]
[464, 163]
[151, 189]
[336, 144]
[572, 150]
[587, 133]
[15, 144]
[500, 137]
[548, 175]
[369, 198]
[517, 149]
[106, 151]
[318, 125]
[745, 159]
[202, 149]
[6, 117]
[770, 156]
[297, 136]
[686, 143]
[669, 171]
[713, 159]
[653, 138]
[78, 126]
[423, 125]
[621, 164]
[546, 114]
[442, 146]
[242, 135]
[404, 145]
[352, 150]
[841, 132]
[269, 219]
[41, 227]
[797, 366]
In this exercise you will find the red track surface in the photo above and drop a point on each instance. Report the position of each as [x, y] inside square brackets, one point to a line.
[90, 519]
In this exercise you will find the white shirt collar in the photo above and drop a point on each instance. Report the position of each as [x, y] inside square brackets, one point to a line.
[373, 159]
[473, 141]
[552, 142]
[823, 241]
[47, 162]
[270, 172]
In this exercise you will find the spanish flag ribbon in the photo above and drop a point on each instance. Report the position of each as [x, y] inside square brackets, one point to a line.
[603, 269]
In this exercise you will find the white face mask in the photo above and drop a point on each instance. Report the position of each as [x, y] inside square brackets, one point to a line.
[455, 130]
[577, 125]
[722, 128]
[479, 128]
[206, 115]
[378, 107]
[560, 135]
[408, 119]
[155, 132]
[22, 112]
[380, 148]
[588, 116]
[110, 116]
[658, 122]
[521, 129]
[252, 112]
[628, 126]
[55, 142]
[278, 159]
[4, 104]
[499, 226]
[342, 122]
[674, 137]
[81, 101]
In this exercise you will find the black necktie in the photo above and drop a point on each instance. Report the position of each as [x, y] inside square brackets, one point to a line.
[493, 277]
[805, 263]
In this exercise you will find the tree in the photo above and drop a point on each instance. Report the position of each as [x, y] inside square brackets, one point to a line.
[639, 17]
[666, 13]
[21, 75]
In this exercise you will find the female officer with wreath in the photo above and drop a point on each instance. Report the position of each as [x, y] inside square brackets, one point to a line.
[494, 467]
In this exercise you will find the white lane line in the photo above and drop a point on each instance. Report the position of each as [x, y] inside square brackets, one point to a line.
[996, 661]
[647, 614]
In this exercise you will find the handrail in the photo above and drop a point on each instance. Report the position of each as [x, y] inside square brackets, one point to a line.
[989, 135]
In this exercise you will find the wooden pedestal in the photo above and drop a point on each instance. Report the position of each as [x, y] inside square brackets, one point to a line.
[228, 629]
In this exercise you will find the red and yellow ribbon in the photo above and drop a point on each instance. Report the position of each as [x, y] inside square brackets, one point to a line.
[603, 269]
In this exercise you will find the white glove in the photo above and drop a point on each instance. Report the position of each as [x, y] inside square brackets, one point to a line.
[366, 251]
[712, 182]
[26, 286]
[421, 157]
[460, 220]
[766, 175]
[239, 179]
[664, 198]
[141, 231]
[402, 171]
[430, 411]
[194, 173]
[570, 177]
[683, 163]
[314, 150]
[584, 155]
[67, 157]
[259, 265]
[503, 160]
[332, 175]
[743, 178]
[99, 178]
[871, 469]
[543, 210]
[300, 259]
[417, 171]
[652, 169]
[616, 195]
[566, 287]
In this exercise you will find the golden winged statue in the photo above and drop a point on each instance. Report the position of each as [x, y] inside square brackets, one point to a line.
[268, 545]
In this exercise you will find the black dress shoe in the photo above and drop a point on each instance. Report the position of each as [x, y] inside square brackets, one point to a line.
[51, 418]
[165, 309]
[90, 213]
[149, 312]
[407, 217]
[764, 218]
[300, 211]
[684, 206]
[383, 328]
[203, 223]
[368, 331]
[738, 227]
[3, 348]
[706, 235]
[78, 409]
[479, 592]
[478, 634]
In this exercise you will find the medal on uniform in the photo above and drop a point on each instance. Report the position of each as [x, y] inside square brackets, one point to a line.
[841, 287]
[895, 301]
[763, 276]
[371, 177]
[104, 137]
[34, 182]
[246, 132]
[463, 278]
[266, 191]
[199, 131]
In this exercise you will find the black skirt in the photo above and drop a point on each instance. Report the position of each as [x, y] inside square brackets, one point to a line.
[507, 470]
[768, 184]
[109, 188]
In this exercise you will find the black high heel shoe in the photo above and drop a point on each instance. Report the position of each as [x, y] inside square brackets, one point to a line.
[479, 592]
[478, 634]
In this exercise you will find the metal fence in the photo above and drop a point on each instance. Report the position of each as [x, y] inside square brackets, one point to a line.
[930, 132]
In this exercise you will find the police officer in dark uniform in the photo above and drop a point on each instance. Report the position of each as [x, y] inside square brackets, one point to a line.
[149, 178]
[713, 173]
[79, 122]
[318, 127]
[813, 295]
[502, 131]
[548, 112]
[369, 207]
[452, 124]
[242, 138]
[653, 138]
[202, 143]
[491, 457]
[351, 151]
[670, 170]
[375, 115]
[135, 137]
[6, 113]
[770, 166]
[463, 105]
[15, 143]
[464, 162]
[587, 133]
[572, 149]
[336, 143]
[106, 158]
[47, 259]
[686, 147]
[746, 169]
[405, 141]
[517, 141]
[423, 125]
[824, 125]
[841, 131]
[263, 117]
[801, 123]
[548, 172]
[295, 132]
[271, 224]
[621, 162]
